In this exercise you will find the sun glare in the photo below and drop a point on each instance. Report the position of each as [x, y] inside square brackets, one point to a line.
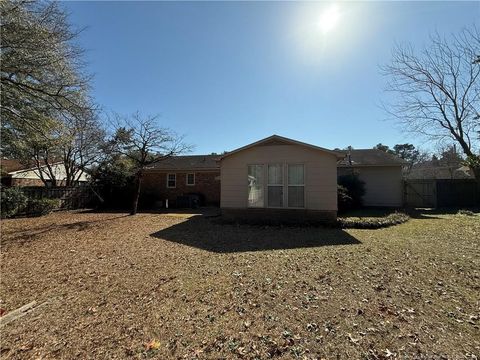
[329, 18]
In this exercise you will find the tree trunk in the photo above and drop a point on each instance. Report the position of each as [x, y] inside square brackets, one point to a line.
[136, 193]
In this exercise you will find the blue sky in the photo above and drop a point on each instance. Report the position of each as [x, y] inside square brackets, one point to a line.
[225, 74]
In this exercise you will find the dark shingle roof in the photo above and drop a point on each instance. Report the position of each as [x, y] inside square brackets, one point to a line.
[362, 157]
[189, 162]
[370, 157]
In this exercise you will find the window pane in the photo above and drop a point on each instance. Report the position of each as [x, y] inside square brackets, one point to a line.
[255, 186]
[296, 175]
[190, 179]
[275, 174]
[255, 173]
[275, 196]
[295, 196]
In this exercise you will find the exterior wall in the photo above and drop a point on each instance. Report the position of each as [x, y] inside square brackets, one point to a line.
[383, 184]
[207, 183]
[32, 174]
[320, 174]
[26, 182]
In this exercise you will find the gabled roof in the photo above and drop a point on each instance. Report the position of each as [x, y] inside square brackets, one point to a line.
[13, 166]
[189, 162]
[369, 157]
[280, 140]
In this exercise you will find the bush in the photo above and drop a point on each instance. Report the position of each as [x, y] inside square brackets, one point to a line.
[465, 212]
[355, 189]
[39, 207]
[344, 200]
[13, 201]
[373, 222]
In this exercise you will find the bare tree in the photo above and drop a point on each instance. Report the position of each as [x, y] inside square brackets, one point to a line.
[145, 143]
[76, 145]
[438, 91]
[82, 146]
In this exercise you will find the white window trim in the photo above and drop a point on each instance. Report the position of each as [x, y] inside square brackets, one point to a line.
[186, 179]
[168, 176]
[302, 185]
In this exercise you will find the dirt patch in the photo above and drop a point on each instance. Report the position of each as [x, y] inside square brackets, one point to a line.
[168, 286]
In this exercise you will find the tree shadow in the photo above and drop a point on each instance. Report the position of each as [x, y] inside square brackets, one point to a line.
[206, 234]
[24, 236]
[430, 213]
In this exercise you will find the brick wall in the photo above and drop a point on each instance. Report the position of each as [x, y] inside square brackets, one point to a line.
[26, 182]
[207, 183]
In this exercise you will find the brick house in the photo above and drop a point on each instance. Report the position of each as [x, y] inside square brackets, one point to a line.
[201, 174]
[184, 175]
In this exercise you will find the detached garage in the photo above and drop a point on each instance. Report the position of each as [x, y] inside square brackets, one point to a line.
[381, 172]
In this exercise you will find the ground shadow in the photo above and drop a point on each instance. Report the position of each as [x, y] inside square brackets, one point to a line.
[210, 235]
[23, 236]
[430, 213]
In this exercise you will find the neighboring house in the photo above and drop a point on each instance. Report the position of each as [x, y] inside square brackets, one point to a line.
[16, 174]
[440, 172]
[380, 171]
[183, 175]
[279, 178]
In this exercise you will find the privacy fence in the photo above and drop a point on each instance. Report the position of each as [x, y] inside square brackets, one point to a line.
[70, 198]
[438, 193]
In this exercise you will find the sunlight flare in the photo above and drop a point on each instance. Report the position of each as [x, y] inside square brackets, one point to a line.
[329, 19]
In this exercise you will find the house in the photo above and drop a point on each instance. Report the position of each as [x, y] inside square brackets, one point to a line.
[380, 171]
[183, 175]
[431, 172]
[275, 177]
[14, 173]
[279, 178]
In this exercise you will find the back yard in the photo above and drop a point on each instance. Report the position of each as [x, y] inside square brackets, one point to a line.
[174, 286]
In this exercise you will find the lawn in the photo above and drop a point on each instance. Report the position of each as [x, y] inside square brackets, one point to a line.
[110, 285]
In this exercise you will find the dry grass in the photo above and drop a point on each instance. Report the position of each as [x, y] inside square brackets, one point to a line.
[165, 286]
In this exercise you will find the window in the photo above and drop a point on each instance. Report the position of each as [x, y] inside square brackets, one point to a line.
[255, 186]
[275, 185]
[296, 186]
[191, 179]
[171, 180]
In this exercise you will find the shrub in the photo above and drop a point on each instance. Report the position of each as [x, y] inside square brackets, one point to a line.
[373, 222]
[465, 212]
[344, 200]
[39, 207]
[13, 201]
[355, 189]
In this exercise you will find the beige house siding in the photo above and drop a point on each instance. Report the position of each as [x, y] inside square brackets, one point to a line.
[320, 174]
[383, 185]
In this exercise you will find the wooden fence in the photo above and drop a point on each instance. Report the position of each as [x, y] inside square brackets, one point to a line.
[70, 198]
[433, 193]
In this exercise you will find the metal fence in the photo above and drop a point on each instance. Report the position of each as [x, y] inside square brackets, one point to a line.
[433, 193]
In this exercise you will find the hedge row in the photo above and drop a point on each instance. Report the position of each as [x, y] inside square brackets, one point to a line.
[372, 222]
